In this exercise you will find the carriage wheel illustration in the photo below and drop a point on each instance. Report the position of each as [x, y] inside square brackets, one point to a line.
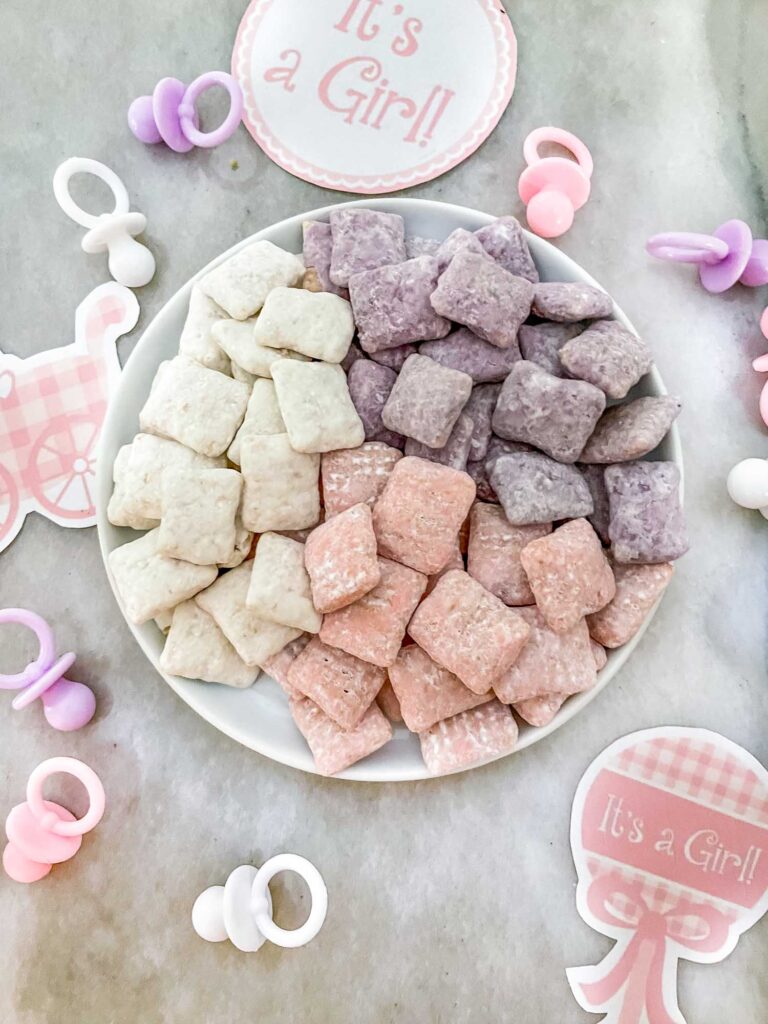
[62, 466]
[9, 503]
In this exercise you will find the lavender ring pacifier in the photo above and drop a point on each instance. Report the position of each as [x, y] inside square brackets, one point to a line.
[169, 114]
[67, 705]
[723, 258]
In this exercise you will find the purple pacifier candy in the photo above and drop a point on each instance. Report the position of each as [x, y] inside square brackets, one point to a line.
[724, 257]
[68, 705]
[169, 114]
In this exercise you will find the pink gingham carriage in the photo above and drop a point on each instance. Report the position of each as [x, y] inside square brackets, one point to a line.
[51, 409]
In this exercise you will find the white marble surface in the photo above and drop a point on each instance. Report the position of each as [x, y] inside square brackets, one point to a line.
[449, 900]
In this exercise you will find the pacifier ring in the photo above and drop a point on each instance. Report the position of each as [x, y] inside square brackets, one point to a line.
[83, 165]
[563, 138]
[87, 776]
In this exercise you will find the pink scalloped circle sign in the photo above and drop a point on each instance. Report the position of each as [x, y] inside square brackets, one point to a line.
[373, 96]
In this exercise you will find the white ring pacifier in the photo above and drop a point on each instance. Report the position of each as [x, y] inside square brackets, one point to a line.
[241, 909]
[130, 263]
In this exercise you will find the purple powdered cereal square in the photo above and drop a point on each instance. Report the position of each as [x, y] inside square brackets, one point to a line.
[570, 302]
[364, 240]
[505, 243]
[463, 350]
[481, 295]
[455, 450]
[459, 240]
[647, 522]
[317, 255]
[498, 446]
[600, 518]
[394, 357]
[554, 415]
[608, 356]
[533, 488]
[627, 432]
[370, 385]
[541, 343]
[480, 408]
[392, 305]
[415, 245]
[426, 401]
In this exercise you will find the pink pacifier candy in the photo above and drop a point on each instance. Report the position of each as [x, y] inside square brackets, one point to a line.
[726, 256]
[42, 833]
[553, 187]
[67, 705]
[169, 114]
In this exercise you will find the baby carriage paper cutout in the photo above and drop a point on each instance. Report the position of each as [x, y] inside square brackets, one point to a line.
[669, 834]
[52, 406]
[372, 96]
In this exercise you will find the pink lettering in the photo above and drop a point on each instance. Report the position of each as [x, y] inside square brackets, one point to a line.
[364, 32]
[369, 69]
[407, 44]
[286, 73]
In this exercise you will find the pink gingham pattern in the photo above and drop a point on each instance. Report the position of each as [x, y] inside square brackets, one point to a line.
[51, 409]
[699, 770]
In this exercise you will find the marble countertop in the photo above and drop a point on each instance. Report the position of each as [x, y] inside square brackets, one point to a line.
[449, 900]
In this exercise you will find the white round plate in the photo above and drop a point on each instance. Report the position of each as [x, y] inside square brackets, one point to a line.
[259, 717]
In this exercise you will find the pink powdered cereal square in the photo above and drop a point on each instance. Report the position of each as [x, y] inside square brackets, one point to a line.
[420, 512]
[279, 664]
[373, 628]
[387, 700]
[342, 686]
[479, 734]
[493, 558]
[332, 748]
[549, 663]
[638, 588]
[355, 476]
[456, 561]
[539, 711]
[428, 693]
[569, 574]
[340, 557]
[469, 631]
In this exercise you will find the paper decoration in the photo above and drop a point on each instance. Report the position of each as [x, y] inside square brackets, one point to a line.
[373, 96]
[51, 409]
[669, 834]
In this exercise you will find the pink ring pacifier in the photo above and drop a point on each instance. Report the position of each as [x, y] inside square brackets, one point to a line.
[726, 256]
[553, 187]
[68, 705]
[169, 114]
[42, 833]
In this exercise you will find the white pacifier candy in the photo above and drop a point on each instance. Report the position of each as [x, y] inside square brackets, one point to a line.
[241, 909]
[748, 484]
[130, 263]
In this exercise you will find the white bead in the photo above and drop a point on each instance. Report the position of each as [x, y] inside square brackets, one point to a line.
[748, 483]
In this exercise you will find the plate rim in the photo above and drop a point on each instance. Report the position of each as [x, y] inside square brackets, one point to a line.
[188, 689]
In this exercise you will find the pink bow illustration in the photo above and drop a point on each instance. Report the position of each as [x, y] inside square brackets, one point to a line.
[640, 970]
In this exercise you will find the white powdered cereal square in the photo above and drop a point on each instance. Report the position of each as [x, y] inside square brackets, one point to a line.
[237, 339]
[149, 582]
[255, 639]
[195, 406]
[261, 417]
[280, 486]
[316, 406]
[121, 510]
[198, 516]
[241, 284]
[197, 649]
[317, 324]
[197, 341]
[141, 475]
[279, 588]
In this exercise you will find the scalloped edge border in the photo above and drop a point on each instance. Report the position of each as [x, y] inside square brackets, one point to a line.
[506, 56]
